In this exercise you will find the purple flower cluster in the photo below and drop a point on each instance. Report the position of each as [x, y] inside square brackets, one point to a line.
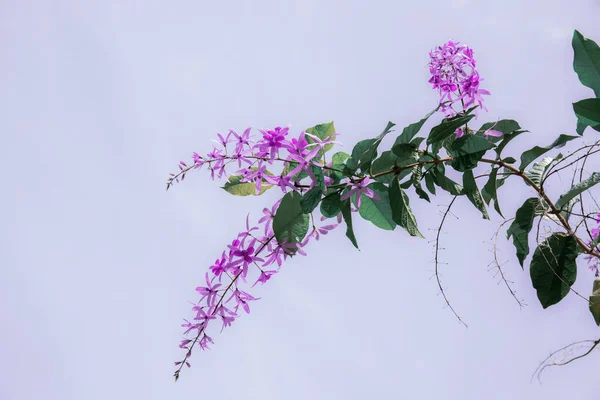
[454, 74]
[251, 157]
[224, 296]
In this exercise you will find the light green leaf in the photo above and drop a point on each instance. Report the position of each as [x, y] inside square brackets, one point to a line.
[235, 186]
[577, 189]
[536, 173]
[377, 211]
[401, 212]
[322, 131]
[553, 268]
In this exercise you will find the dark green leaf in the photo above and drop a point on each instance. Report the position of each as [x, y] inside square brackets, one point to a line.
[491, 189]
[364, 152]
[401, 212]
[472, 192]
[347, 214]
[586, 62]
[446, 183]
[377, 211]
[509, 160]
[385, 162]
[421, 193]
[507, 138]
[533, 153]
[553, 268]
[290, 224]
[468, 150]
[330, 205]
[595, 301]
[506, 126]
[588, 114]
[577, 189]
[387, 129]
[311, 199]
[429, 182]
[521, 226]
[447, 127]
[411, 130]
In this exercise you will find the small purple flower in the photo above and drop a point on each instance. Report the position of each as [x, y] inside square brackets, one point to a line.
[204, 342]
[360, 188]
[209, 291]
[268, 216]
[264, 276]
[227, 316]
[242, 298]
[298, 146]
[241, 140]
[320, 144]
[284, 182]
[255, 175]
[272, 141]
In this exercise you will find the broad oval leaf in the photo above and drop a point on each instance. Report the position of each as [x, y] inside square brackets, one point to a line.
[385, 162]
[553, 268]
[330, 205]
[586, 61]
[290, 224]
[447, 127]
[468, 150]
[379, 211]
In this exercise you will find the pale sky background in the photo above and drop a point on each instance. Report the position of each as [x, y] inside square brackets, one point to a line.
[101, 99]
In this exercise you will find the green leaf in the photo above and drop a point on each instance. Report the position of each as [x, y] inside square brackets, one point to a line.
[521, 226]
[235, 186]
[447, 128]
[311, 199]
[588, 114]
[509, 160]
[364, 154]
[330, 205]
[429, 182]
[586, 62]
[472, 192]
[347, 214]
[577, 189]
[553, 268]
[322, 131]
[377, 211]
[385, 162]
[290, 223]
[595, 301]
[506, 126]
[506, 139]
[411, 130]
[401, 212]
[533, 153]
[491, 189]
[446, 183]
[468, 150]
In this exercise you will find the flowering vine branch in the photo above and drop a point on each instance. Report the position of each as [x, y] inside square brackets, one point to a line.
[317, 187]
